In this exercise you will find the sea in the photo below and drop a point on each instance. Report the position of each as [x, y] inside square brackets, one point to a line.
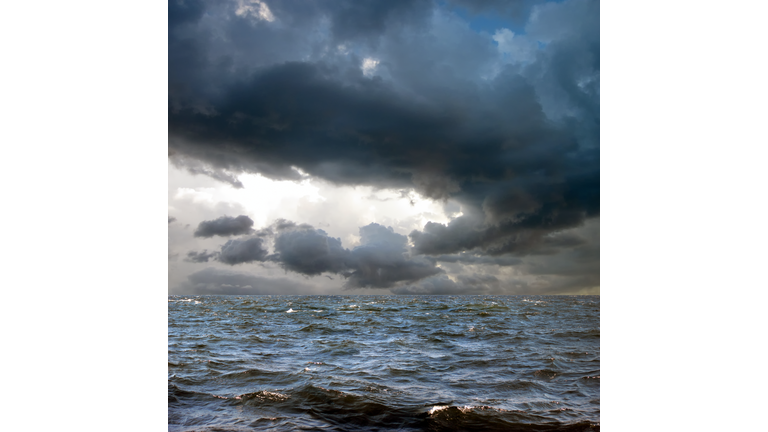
[381, 363]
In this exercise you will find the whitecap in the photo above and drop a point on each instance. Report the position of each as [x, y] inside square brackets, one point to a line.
[437, 408]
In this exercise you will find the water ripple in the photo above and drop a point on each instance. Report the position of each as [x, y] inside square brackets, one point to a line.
[383, 362]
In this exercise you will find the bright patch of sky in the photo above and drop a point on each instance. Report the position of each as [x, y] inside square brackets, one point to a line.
[255, 9]
[369, 66]
[516, 48]
[484, 22]
[339, 210]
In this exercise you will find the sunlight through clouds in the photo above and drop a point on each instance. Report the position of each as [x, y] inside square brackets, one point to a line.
[311, 201]
[254, 8]
[369, 66]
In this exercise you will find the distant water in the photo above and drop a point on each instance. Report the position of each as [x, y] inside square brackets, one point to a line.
[337, 363]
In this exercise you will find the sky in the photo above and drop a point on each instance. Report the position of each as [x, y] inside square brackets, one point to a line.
[369, 147]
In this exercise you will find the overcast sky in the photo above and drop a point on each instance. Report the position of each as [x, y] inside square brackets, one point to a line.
[380, 147]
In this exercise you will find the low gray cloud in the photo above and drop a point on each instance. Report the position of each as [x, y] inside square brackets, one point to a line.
[225, 226]
[444, 285]
[240, 251]
[171, 219]
[564, 261]
[201, 257]
[235, 251]
[304, 249]
[213, 281]
[381, 261]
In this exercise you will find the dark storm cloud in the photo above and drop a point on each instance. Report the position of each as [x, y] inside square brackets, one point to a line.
[352, 20]
[309, 251]
[238, 251]
[564, 261]
[381, 261]
[515, 143]
[225, 226]
[212, 281]
[196, 167]
[516, 220]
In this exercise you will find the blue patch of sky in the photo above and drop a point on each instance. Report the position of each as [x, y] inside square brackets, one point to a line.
[490, 21]
[491, 24]
[485, 22]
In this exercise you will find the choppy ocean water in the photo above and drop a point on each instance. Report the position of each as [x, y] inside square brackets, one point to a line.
[337, 363]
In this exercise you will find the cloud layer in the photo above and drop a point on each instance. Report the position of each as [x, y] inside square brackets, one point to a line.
[502, 121]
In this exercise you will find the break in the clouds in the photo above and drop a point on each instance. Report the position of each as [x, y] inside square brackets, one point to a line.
[491, 107]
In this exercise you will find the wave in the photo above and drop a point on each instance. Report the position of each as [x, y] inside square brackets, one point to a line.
[383, 363]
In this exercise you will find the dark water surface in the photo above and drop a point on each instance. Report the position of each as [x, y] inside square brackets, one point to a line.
[335, 363]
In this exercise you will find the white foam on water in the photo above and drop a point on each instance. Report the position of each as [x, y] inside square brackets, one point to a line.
[437, 408]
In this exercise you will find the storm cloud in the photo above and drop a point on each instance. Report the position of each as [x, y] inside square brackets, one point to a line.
[304, 249]
[381, 261]
[225, 226]
[503, 122]
[239, 251]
